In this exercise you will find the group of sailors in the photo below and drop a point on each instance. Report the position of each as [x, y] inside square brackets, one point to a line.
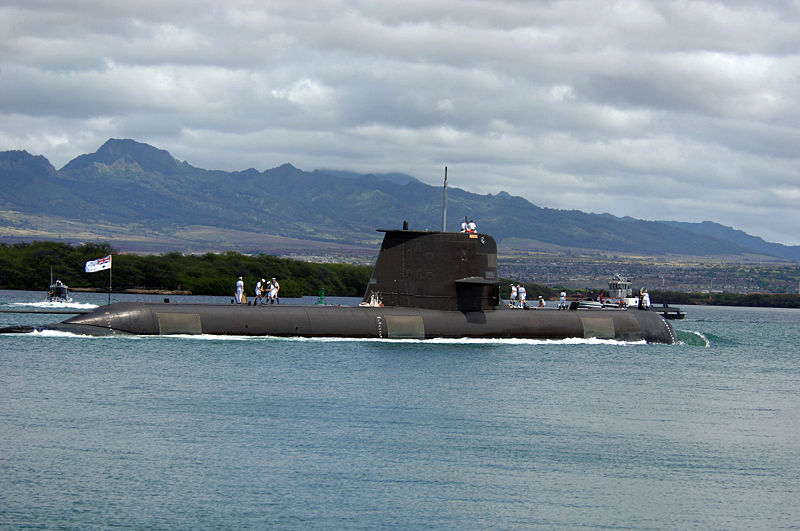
[265, 292]
[519, 294]
[469, 226]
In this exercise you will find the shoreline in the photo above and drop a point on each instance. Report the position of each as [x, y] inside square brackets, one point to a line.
[135, 291]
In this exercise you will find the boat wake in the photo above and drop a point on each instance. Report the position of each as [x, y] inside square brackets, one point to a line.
[435, 341]
[59, 333]
[692, 338]
[44, 305]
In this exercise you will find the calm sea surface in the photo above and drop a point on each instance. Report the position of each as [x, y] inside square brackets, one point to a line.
[205, 433]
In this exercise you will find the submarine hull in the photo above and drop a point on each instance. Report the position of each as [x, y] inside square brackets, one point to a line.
[367, 322]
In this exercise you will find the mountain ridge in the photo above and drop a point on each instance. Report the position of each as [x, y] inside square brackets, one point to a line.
[126, 182]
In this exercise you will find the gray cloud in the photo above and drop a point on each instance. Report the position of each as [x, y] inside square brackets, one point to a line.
[683, 110]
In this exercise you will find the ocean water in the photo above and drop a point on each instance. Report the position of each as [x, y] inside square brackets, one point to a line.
[209, 433]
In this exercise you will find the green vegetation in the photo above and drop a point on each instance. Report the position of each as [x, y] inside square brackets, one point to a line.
[27, 266]
[763, 300]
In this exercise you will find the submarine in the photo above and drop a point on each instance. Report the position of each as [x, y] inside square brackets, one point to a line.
[424, 285]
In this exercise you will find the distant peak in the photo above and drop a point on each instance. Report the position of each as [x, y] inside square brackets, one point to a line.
[115, 146]
[114, 150]
[21, 158]
[285, 170]
[120, 142]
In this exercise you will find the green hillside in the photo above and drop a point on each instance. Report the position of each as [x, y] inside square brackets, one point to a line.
[133, 186]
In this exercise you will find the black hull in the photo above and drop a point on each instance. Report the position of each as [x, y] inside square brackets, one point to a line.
[366, 322]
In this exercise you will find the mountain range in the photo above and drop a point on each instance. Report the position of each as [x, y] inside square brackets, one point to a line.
[132, 192]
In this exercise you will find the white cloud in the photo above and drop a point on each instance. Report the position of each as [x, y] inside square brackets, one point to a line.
[305, 93]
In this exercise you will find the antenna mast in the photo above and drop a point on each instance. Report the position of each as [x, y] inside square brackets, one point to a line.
[444, 201]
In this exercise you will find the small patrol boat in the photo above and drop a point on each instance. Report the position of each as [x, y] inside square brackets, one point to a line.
[58, 292]
[620, 294]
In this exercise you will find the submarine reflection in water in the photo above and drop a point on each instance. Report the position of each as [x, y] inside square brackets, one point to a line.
[431, 285]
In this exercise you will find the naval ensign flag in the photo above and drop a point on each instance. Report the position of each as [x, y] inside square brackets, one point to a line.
[101, 264]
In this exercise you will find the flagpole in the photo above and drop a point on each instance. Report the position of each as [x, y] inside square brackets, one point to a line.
[93, 266]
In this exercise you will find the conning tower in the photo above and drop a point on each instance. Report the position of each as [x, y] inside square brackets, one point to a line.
[436, 270]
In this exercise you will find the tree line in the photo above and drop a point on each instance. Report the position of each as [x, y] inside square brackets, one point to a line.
[756, 300]
[26, 266]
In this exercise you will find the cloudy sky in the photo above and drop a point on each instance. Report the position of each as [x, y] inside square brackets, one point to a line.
[684, 110]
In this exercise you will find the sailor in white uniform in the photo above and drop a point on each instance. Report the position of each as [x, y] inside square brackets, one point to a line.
[464, 225]
[273, 292]
[471, 227]
[239, 290]
[646, 300]
[562, 302]
[521, 295]
[512, 299]
[259, 291]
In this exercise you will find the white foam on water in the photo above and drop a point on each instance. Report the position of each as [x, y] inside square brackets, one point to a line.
[64, 334]
[56, 305]
[440, 341]
[436, 341]
[53, 333]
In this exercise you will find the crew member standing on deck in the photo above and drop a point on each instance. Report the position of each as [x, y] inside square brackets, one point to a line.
[464, 225]
[645, 300]
[273, 292]
[521, 295]
[512, 299]
[259, 292]
[239, 290]
[471, 227]
[562, 302]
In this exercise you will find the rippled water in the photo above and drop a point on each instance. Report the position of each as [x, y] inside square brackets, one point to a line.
[203, 432]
